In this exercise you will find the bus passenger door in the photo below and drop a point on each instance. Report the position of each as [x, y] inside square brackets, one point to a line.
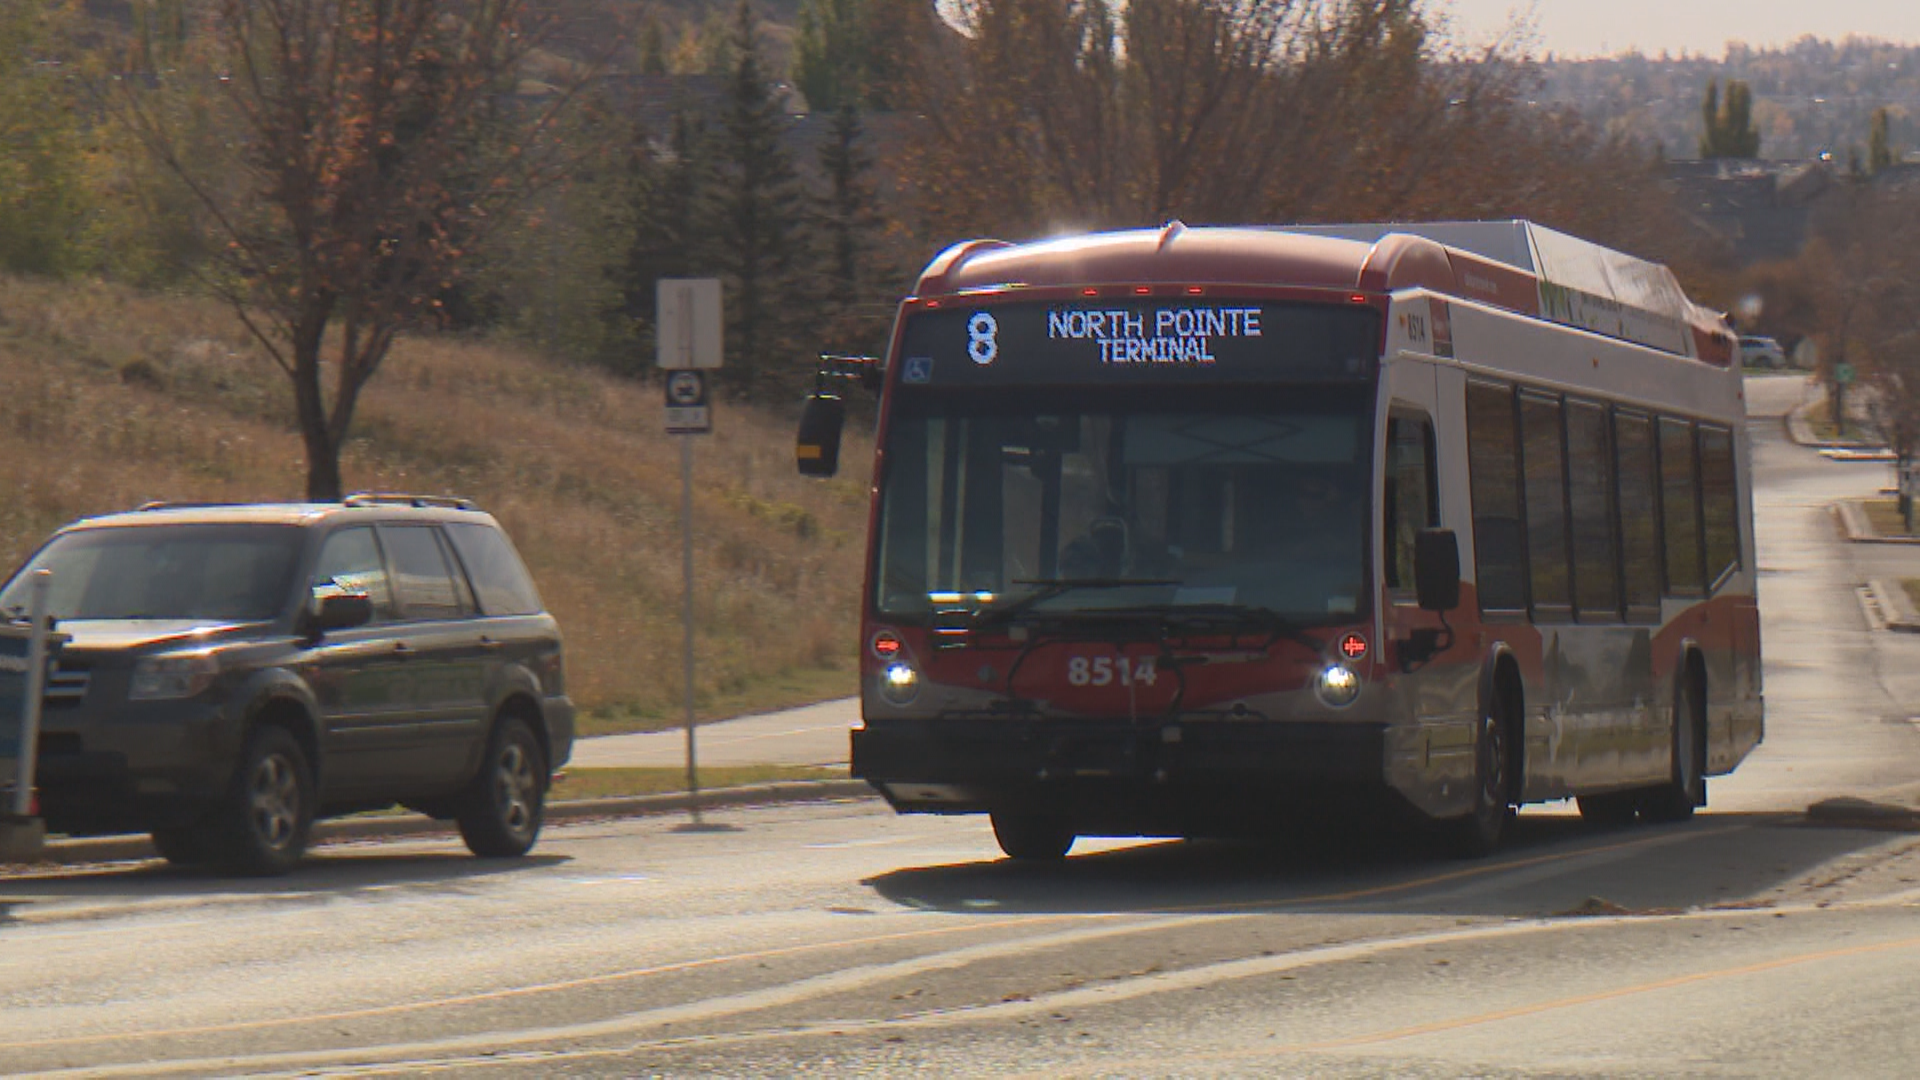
[1434, 725]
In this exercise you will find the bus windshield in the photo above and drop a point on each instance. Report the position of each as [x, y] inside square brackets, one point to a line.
[1246, 497]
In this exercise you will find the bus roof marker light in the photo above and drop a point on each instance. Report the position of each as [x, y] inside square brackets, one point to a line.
[1089, 292]
[1195, 290]
[1143, 290]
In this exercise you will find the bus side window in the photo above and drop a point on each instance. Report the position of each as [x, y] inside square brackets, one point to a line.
[1543, 461]
[1596, 550]
[1719, 502]
[1493, 468]
[1412, 492]
[1680, 508]
[1639, 491]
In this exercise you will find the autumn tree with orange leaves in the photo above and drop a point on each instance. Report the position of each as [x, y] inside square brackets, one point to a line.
[373, 144]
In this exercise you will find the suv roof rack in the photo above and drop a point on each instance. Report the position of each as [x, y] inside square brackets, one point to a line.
[386, 498]
[163, 504]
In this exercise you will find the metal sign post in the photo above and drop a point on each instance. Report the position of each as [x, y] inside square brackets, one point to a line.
[21, 833]
[687, 332]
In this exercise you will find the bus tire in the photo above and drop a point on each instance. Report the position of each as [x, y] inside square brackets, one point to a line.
[1477, 835]
[1686, 788]
[1032, 835]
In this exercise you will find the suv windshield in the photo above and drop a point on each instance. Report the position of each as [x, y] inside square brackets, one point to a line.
[1250, 497]
[224, 573]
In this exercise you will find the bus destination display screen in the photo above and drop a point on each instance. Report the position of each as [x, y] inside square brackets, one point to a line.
[1148, 340]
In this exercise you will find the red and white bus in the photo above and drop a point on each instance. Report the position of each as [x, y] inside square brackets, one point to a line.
[1207, 531]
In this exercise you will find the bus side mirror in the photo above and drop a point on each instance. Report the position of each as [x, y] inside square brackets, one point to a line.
[818, 451]
[1436, 569]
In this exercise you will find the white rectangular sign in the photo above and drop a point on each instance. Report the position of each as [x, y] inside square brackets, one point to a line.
[687, 322]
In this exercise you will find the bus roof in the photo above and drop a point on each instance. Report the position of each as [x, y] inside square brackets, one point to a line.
[1515, 265]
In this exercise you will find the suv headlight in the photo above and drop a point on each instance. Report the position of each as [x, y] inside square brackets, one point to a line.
[164, 678]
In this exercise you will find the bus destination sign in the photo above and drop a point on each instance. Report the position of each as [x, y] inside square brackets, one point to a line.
[1183, 335]
[1144, 340]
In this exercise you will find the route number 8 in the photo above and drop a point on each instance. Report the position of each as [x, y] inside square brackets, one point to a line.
[983, 338]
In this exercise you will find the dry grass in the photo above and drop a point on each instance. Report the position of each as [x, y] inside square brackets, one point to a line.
[109, 398]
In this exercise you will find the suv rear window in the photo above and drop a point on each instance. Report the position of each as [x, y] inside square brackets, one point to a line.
[497, 572]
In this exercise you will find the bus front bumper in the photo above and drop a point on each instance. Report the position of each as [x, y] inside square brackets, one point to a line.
[1185, 778]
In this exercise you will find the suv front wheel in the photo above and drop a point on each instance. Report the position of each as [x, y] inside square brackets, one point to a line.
[261, 826]
[501, 812]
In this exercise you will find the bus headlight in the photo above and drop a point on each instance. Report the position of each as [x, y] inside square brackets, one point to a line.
[900, 683]
[1337, 686]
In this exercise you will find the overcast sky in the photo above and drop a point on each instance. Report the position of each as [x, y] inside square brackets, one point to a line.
[1595, 27]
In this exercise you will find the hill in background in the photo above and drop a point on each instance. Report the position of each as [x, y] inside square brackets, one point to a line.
[114, 398]
[1810, 97]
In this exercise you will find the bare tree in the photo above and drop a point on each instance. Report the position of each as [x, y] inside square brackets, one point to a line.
[374, 143]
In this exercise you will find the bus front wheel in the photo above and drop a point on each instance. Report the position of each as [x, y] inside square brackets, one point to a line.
[1032, 835]
[1477, 834]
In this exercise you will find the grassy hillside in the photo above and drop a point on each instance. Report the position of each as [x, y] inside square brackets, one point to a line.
[109, 398]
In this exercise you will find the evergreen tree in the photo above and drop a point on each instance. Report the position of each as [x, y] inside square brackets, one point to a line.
[1879, 143]
[653, 47]
[42, 204]
[1727, 127]
[751, 208]
[849, 214]
[662, 240]
[830, 55]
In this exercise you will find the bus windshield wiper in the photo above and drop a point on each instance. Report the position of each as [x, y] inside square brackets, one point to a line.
[1047, 588]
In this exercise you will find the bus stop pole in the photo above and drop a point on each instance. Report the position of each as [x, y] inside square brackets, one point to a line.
[36, 693]
[686, 615]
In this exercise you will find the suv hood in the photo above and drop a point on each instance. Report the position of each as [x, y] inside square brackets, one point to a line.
[141, 633]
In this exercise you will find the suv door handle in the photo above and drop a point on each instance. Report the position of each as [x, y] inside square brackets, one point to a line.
[491, 645]
[402, 650]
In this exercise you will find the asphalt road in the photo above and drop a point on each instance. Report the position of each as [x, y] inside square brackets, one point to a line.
[839, 939]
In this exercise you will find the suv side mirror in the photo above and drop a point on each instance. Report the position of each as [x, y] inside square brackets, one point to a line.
[818, 452]
[340, 611]
[1436, 569]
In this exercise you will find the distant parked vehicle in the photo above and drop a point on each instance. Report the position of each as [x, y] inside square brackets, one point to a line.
[1762, 352]
[234, 672]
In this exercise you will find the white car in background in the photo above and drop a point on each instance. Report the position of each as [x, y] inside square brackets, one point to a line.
[1761, 352]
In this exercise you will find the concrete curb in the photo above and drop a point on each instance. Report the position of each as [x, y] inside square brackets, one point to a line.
[1896, 607]
[346, 830]
[1852, 515]
[1801, 431]
[1846, 813]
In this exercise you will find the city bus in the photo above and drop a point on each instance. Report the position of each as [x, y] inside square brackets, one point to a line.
[1216, 531]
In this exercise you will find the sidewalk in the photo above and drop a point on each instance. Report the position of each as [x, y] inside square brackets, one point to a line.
[809, 735]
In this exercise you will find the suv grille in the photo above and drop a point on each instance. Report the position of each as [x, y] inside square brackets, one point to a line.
[67, 686]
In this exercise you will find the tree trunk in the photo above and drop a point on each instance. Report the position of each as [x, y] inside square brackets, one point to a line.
[323, 468]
